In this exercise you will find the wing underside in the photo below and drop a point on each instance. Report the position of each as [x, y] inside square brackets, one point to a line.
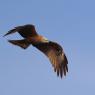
[56, 55]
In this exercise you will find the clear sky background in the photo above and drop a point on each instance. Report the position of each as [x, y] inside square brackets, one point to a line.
[71, 23]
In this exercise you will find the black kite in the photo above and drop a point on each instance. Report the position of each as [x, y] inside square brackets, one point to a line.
[51, 49]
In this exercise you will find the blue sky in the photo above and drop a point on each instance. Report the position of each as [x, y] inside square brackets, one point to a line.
[71, 23]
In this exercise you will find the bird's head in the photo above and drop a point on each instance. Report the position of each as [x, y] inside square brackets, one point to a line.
[44, 39]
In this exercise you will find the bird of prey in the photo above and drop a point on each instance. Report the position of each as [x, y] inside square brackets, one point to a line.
[51, 49]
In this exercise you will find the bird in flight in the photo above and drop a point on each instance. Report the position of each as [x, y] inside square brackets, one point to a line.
[51, 49]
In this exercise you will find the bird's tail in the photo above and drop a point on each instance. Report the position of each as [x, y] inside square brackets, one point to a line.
[21, 43]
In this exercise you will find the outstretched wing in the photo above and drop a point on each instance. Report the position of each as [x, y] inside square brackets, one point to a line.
[25, 31]
[56, 55]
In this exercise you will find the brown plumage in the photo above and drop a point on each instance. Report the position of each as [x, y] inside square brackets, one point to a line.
[51, 49]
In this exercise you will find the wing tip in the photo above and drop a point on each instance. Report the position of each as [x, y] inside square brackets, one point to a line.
[5, 34]
[63, 68]
[10, 32]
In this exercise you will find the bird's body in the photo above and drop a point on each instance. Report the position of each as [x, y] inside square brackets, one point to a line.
[51, 49]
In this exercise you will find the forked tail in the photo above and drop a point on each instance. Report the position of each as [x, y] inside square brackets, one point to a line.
[21, 43]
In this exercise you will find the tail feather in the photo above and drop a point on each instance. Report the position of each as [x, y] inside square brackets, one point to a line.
[21, 43]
